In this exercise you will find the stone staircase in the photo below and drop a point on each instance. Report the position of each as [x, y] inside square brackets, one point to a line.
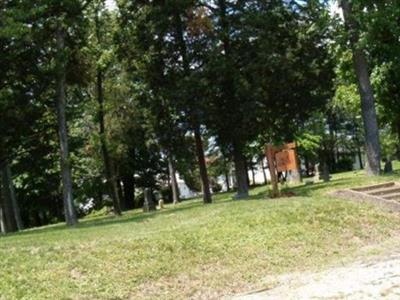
[384, 194]
[389, 191]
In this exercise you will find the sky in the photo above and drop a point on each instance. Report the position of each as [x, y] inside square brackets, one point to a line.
[111, 4]
[334, 6]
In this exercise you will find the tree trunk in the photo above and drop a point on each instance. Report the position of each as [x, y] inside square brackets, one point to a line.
[69, 209]
[229, 93]
[148, 204]
[331, 158]
[247, 173]
[253, 175]
[9, 188]
[307, 165]
[241, 173]
[120, 190]
[398, 142]
[357, 143]
[108, 168]
[263, 170]
[194, 115]
[360, 157]
[174, 182]
[227, 182]
[129, 191]
[367, 96]
[202, 165]
[3, 228]
[8, 223]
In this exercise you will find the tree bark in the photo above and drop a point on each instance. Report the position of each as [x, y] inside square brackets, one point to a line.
[398, 142]
[8, 223]
[202, 165]
[240, 172]
[10, 190]
[366, 92]
[174, 182]
[263, 170]
[247, 173]
[253, 175]
[307, 165]
[120, 190]
[360, 158]
[357, 143]
[129, 191]
[227, 181]
[331, 158]
[69, 209]
[3, 228]
[108, 168]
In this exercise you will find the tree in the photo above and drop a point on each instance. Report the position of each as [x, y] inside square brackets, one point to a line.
[268, 59]
[69, 209]
[381, 30]
[16, 90]
[365, 89]
[160, 58]
[52, 41]
[10, 217]
[102, 45]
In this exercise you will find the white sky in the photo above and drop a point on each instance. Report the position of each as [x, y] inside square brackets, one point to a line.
[111, 4]
[335, 9]
[334, 6]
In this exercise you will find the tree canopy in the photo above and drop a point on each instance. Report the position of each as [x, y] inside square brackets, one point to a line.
[97, 105]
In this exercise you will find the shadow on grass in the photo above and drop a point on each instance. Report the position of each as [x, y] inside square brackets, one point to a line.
[310, 190]
[135, 216]
[336, 183]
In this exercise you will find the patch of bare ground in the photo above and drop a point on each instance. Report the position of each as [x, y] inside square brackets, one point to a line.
[369, 277]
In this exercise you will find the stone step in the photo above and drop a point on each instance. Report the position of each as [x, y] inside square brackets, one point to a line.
[374, 187]
[394, 196]
[385, 191]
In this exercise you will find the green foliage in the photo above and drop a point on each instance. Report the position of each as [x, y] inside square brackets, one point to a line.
[379, 32]
[242, 73]
[262, 86]
[309, 144]
[347, 100]
[389, 144]
[27, 92]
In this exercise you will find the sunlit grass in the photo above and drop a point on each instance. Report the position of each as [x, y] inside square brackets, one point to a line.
[193, 250]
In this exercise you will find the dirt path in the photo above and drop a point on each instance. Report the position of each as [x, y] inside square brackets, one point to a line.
[379, 279]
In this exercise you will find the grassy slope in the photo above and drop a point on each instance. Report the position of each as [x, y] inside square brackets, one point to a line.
[192, 250]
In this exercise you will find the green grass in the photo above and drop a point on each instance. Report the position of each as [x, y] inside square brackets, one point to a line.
[194, 250]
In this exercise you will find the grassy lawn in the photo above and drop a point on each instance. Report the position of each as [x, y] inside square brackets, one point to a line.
[192, 250]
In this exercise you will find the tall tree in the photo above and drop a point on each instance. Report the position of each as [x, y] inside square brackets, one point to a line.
[190, 107]
[172, 176]
[161, 59]
[10, 197]
[103, 47]
[70, 214]
[365, 89]
[266, 62]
